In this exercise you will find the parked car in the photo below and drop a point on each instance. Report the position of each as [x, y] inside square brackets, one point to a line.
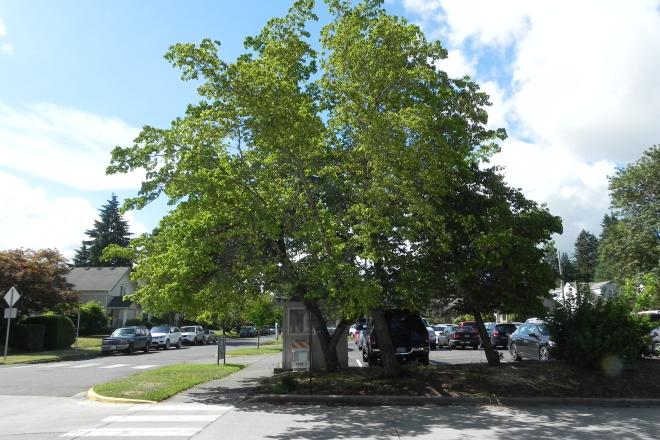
[429, 328]
[192, 334]
[352, 330]
[164, 336]
[409, 337]
[442, 333]
[127, 339]
[247, 331]
[210, 337]
[500, 335]
[464, 336]
[532, 341]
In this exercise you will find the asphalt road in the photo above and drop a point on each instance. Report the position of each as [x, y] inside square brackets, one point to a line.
[67, 378]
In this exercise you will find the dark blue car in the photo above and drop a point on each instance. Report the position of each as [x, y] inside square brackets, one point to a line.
[127, 339]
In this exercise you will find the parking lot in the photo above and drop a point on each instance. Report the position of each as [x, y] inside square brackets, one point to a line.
[436, 357]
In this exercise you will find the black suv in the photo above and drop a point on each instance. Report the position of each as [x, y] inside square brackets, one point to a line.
[409, 337]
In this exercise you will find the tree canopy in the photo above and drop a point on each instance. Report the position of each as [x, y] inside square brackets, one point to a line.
[39, 277]
[586, 256]
[322, 175]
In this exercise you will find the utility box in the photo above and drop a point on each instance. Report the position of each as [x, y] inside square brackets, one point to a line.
[298, 341]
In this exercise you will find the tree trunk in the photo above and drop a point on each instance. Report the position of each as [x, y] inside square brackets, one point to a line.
[492, 356]
[258, 337]
[328, 343]
[391, 367]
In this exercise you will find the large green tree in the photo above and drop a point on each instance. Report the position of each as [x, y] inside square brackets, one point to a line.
[586, 256]
[631, 246]
[39, 277]
[308, 174]
[110, 229]
[495, 259]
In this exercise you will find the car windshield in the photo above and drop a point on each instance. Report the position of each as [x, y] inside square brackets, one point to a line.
[438, 328]
[188, 329]
[160, 330]
[544, 329]
[490, 326]
[124, 332]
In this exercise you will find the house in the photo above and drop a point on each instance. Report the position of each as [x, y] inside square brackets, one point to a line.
[603, 289]
[107, 286]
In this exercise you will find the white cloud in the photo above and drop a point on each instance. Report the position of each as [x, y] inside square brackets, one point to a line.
[574, 190]
[32, 218]
[456, 65]
[580, 84]
[3, 28]
[64, 145]
[6, 49]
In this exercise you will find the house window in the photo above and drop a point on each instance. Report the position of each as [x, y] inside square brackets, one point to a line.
[122, 290]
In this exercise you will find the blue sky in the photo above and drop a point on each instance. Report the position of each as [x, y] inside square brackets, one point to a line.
[576, 87]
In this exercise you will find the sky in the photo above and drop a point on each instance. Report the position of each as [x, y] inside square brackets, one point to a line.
[575, 84]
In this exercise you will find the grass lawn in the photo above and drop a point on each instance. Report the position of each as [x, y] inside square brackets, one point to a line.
[264, 349]
[164, 382]
[88, 346]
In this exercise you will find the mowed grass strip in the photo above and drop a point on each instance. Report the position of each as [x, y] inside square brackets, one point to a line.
[264, 349]
[164, 382]
[88, 347]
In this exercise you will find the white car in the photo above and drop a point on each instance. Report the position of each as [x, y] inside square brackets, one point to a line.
[165, 336]
[192, 334]
[352, 329]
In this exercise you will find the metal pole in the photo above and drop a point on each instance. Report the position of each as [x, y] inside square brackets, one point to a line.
[309, 324]
[11, 303]
[78, 327]
[224, 346]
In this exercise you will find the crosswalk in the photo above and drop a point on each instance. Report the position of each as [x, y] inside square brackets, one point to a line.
[154, 421]
[77, 366]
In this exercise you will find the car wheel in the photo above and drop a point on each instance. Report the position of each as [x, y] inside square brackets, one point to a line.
[544, 354]
[365, 356]
[178, 344]
[451, 347]
[146, 347]
[514, 353]
[105, 353]
[424, 360]
[167, 344]
[130, 348]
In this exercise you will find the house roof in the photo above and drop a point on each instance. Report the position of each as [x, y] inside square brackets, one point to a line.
[598, 285]
[118, 302]
[101, 279]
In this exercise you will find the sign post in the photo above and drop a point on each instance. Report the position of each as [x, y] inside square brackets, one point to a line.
[221, 349]
[11, 297]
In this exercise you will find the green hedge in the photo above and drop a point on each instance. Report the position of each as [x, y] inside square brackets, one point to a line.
[60, 331]
[27, 337]
[138, 322]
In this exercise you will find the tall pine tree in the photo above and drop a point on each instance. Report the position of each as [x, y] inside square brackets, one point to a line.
[110, 229]
[586, 256]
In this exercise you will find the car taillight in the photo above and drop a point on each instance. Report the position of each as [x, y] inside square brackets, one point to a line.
[455, 336]
[496, 333]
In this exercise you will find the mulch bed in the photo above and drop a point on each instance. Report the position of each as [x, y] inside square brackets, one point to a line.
[518, 379]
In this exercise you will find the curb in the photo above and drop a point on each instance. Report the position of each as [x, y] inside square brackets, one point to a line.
[309, 399]
[93, 395]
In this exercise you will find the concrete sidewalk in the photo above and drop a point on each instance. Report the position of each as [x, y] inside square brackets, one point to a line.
[234, 388]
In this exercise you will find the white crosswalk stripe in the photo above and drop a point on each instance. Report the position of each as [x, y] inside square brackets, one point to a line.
[85, 365]
[143, 367]
[57, 365]
[133, 432]
[152, 421]
[114, 366]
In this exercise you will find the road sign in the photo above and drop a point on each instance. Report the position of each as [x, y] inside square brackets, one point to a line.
[12, 296]
[10, 312]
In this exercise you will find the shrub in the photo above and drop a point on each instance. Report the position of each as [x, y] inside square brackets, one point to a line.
[59, 330]
[27, 337]
[92, 319]
[593, 331]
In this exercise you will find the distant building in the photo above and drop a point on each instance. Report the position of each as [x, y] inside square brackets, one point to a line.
[107, 286]
[603, 289]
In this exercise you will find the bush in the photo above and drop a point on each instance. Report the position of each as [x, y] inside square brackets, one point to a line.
[27, 337]
[591, 332]
[92, 319]
[59, 330]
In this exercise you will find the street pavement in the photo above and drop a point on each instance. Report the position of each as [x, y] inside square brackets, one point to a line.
[219, 410]
[67, 378]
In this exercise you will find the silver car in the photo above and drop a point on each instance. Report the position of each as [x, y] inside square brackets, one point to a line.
[192, 334]
[165, 336]
[442, 333]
